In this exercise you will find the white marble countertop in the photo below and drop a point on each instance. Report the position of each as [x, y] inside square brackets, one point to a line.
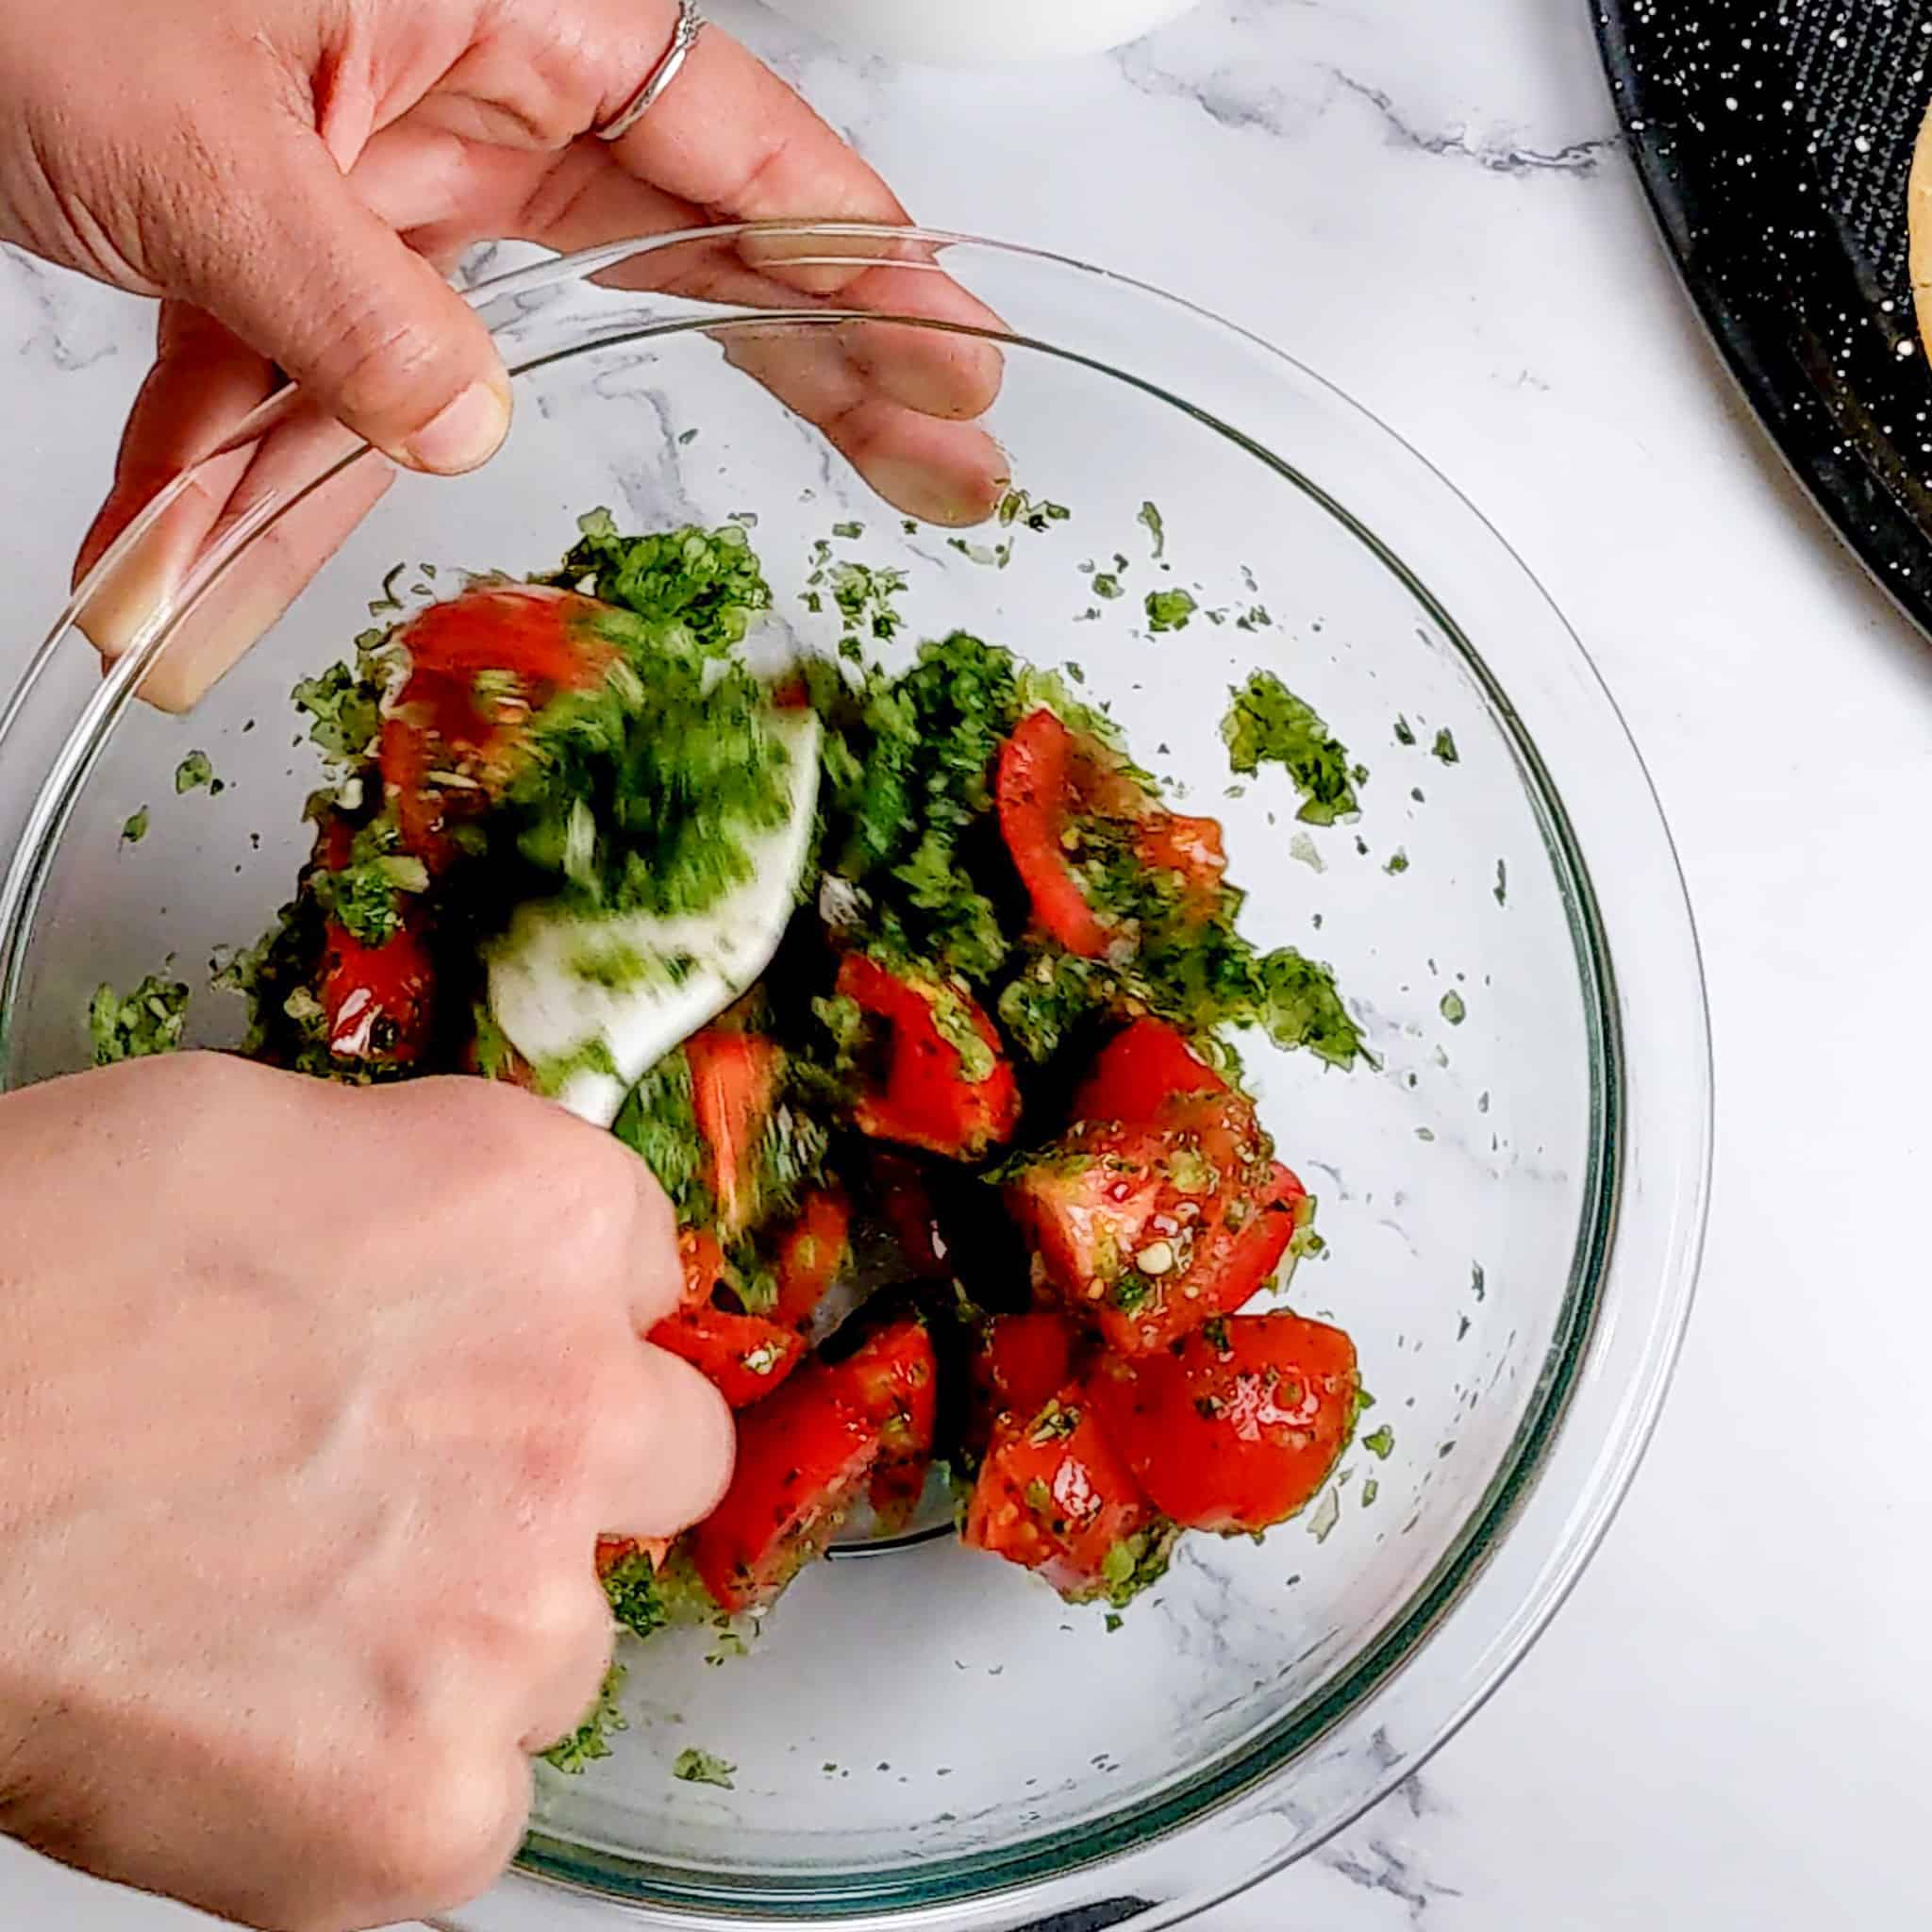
[1430, 206]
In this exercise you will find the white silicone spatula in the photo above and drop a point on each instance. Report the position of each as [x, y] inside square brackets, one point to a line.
[549, 1009]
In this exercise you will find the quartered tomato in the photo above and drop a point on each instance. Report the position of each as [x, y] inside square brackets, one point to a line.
[1054, 1495]
[1055, 784]
[810, 1254]
[946, 1086]
[743, 1356]
[1139, 1071]
[1149, 1229]
[1190, 848]
[376, 1001]
[1241, 1256]
[803, 1461]
[542, 635]
[479, 665]
[1022, 1362]
[894, 1379]
[1236, 1427]
[1087, 1204]
[734, 1084]
[1038, 792]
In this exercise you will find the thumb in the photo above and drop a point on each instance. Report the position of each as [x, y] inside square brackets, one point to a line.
[306, 274]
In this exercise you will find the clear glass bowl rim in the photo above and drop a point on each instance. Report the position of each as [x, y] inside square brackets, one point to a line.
[561, 1886]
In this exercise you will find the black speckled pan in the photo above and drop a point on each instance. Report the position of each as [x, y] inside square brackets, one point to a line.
[1774, 138]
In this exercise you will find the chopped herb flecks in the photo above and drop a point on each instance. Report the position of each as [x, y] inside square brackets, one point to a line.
[590, 1741]
[1016, 506]
[1266, 724]
[1156, 529]
[1169, 610]
[149, 1021]
[343, 711]
[695, 1767]
[1021, 892]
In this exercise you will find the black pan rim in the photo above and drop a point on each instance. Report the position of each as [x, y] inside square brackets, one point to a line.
[1842, 468]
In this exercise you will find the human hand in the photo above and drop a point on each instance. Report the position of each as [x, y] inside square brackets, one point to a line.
[294, 176]
[312, 1406]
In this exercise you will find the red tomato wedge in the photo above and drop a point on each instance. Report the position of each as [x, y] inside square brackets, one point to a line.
[376, 1001]
[540, 635]
[479, 665]
[894, 1379]
[929, 1098]
[1036, 793]
[734, 1084]
[1191, 849]
[743, 1356]
[1241, 1255]
[1149, 1230]
[1139, 1071]
[1053, 1496]
[803, 1459]
[1236, 1427]
[1022, 1362]
[1051, 777]
[810, 1254]
[1087, 1202]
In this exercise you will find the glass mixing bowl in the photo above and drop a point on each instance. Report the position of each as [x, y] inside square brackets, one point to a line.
[1512, 1196]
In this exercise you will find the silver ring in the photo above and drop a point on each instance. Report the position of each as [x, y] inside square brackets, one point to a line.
[684, 37]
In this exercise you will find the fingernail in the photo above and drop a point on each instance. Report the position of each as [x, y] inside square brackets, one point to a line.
[957, 489]
[463, 435]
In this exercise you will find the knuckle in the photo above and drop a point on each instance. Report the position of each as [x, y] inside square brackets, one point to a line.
[653, 1219]
[506, 1137]
[602, 1198]
[560, 1609]
[200, 1095]
[446, 1834]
